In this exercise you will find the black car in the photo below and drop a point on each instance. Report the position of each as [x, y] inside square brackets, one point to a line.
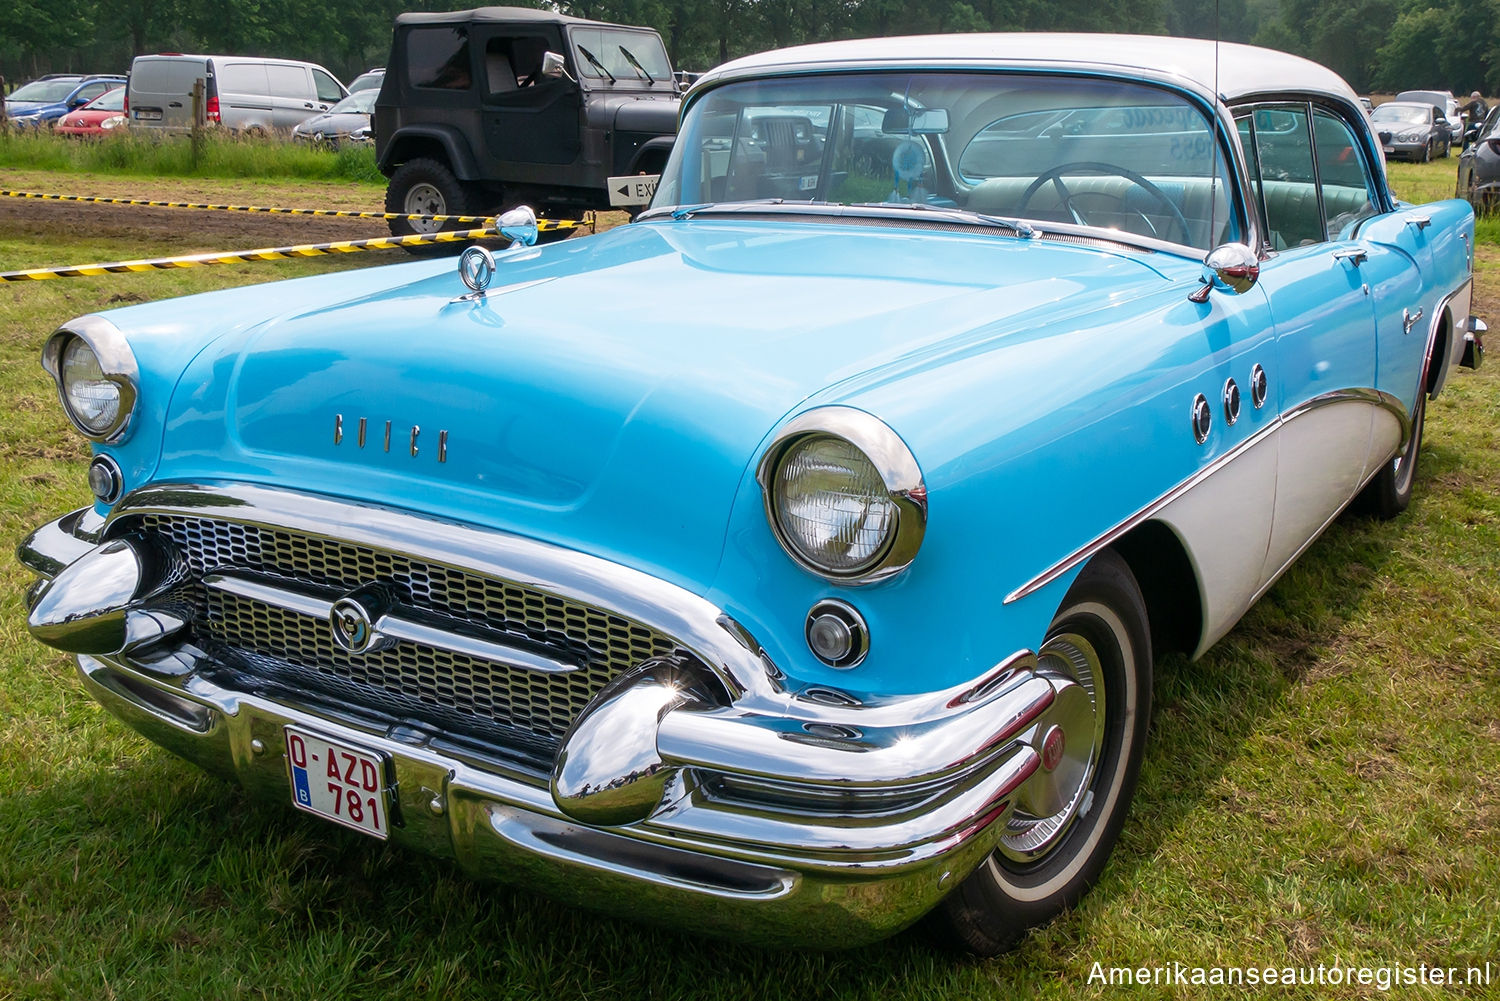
[484, 109]
[1411, 131]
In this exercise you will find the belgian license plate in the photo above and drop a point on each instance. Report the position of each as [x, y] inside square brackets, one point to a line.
[340, 783]
[147, 116]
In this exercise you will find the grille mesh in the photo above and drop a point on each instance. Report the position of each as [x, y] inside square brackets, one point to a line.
[407, 676]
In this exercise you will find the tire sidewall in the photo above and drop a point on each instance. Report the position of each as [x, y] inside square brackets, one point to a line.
[995, 907]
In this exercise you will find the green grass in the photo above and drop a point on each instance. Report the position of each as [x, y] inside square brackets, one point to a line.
[1322, 787]
[226, 156]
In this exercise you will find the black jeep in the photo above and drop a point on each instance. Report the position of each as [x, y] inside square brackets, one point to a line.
[485, 109]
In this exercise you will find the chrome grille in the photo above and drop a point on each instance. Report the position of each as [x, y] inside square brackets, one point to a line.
[408, 676]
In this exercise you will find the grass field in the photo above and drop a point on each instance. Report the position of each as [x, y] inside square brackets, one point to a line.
[1322, 788]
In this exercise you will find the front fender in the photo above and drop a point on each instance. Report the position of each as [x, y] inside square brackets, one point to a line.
[417, 140]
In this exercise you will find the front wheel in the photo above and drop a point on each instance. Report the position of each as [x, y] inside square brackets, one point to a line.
[1043, 865]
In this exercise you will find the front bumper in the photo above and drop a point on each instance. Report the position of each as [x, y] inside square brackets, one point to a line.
[735, 805]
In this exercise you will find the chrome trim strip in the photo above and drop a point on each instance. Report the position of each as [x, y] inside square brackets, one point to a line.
[1108, 538]
[391, 627]
[891, 458]
[116, 360]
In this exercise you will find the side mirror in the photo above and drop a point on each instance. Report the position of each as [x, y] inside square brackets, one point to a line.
[519, 226]
[1230, 267]
[554, 67]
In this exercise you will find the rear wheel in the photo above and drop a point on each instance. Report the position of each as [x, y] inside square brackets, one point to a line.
[1099, 640]
[1389, 493]
[426, 187]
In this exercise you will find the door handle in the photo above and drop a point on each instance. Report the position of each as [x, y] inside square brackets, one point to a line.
[1419, 221]
[175, 104]
[1355, 257]
[307, 104]
[1409, 320]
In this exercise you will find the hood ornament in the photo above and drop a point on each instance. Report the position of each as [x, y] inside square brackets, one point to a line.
[476, 266]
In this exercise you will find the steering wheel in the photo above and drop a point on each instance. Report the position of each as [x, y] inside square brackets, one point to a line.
[1055, 175]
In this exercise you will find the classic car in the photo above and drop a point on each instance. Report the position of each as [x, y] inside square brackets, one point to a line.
[791, 562]
[1411, 131]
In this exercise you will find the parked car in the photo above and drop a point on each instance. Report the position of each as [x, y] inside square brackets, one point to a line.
[368, 80]
[1446, 104]
[1411, 131]
[488, 108]
[790, 563]
[1479, 166]
[345, 122]
[242, 93]
[102, 115]
[44, 100]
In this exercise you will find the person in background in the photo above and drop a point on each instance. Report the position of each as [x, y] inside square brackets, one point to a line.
[1473, 112]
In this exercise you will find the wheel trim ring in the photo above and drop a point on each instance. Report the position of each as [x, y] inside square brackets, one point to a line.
[423, 198]
[1073, 656]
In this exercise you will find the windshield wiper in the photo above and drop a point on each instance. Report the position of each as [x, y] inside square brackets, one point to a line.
[637, 64]
[1022, 228]
[594, 62]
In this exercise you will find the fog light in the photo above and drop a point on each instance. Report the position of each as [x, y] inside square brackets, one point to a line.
[105, 480]
[837, 634]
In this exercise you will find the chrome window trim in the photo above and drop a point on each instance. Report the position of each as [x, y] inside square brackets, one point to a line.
[1108, 538]
[891, 458]
[116, 360]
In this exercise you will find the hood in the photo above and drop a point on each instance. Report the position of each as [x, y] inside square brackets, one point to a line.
[656, 114]
[344, 121]
[609, 392]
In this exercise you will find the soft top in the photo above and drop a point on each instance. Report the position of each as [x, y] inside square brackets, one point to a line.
[500, 14]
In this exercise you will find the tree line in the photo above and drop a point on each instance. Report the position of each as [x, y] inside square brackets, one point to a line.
[1377, 45]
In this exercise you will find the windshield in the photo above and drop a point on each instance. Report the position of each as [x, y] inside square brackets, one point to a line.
[1090, 152]
[49, 91]
[1405, 114]
[359, 102]
[110, 100]
[614, 49]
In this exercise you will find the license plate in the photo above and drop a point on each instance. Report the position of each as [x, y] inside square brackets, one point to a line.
[142, 115]
[337, 782]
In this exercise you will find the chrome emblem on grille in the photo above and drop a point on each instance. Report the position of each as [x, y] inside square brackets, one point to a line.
[355, 619]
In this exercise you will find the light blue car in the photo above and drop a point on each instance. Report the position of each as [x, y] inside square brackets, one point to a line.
[789, 563]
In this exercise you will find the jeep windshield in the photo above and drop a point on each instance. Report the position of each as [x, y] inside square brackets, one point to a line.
[621, 54]
[1033, 151]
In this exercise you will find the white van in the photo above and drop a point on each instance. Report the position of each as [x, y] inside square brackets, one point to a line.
[244, 93]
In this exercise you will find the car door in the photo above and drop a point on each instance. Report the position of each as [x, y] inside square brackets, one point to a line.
[292, 94]
[528, 118]
[1325, 334]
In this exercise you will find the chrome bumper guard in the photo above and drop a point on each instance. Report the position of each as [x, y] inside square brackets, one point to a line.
[698, 789]
[1474, 333]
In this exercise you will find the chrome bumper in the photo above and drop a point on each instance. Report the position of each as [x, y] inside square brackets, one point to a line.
[776, 816]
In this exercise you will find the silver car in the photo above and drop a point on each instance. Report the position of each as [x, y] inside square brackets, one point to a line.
[243, 93]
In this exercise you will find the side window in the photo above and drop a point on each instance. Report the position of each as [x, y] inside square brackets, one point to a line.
[327, 86]
[513, 62]
[1252, 167]
[438, 57]
[1344, 179]
[1289, 179]
[243, 78]
[288, 81]
[92, 91]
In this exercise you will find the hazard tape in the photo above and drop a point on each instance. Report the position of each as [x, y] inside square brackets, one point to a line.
[244, 256]
[542, 224]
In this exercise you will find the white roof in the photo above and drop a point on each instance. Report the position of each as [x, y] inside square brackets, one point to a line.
[1229, 69]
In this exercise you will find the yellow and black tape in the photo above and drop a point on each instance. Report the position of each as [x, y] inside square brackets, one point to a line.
[240, 257]
[543, 224]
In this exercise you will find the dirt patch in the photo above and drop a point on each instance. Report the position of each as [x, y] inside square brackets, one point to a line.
[158, 232]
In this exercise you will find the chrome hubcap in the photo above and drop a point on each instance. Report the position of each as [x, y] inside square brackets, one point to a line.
[425, 199]
[1069, 744]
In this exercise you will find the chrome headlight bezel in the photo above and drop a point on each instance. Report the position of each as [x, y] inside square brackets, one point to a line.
[116, 362]
[898, 471]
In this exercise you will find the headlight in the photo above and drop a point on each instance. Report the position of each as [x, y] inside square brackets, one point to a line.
[112, 122]
[96, 376]
[844, 496]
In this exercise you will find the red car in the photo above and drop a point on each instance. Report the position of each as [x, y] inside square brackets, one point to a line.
[98, 117]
